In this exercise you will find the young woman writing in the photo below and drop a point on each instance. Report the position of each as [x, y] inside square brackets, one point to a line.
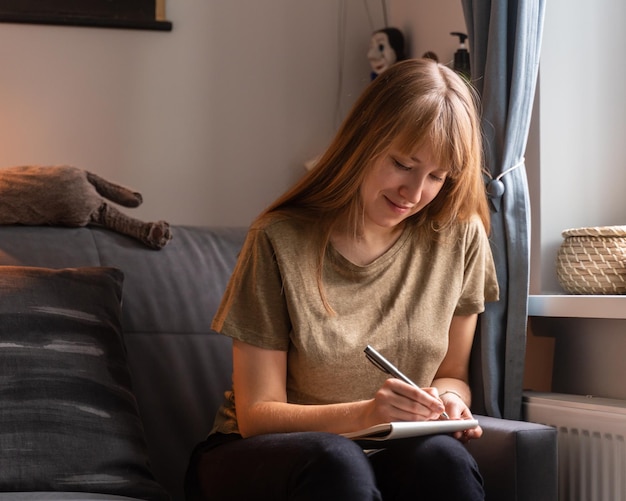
[383, 243]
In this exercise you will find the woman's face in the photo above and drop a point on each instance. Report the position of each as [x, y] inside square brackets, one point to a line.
[381, 55]
[399, 185]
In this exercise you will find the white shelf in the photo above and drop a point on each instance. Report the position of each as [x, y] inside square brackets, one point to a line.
[562, 305]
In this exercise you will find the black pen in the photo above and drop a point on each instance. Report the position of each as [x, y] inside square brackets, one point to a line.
[388, 368]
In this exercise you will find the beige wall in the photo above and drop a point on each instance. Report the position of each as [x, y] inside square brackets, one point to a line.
[427, 26]
[212, 120]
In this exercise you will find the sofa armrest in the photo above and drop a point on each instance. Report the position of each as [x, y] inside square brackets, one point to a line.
[518, 460]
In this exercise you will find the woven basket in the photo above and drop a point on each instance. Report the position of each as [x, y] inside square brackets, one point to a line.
[593, 260]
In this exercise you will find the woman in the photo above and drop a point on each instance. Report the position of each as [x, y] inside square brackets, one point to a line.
[383, 243]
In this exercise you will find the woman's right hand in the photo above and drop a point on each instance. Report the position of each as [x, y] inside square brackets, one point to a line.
[259, 382]
[399, 401]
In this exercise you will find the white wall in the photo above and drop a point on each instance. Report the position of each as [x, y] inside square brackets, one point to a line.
[210, 121]
[582, 127]
[577, 174]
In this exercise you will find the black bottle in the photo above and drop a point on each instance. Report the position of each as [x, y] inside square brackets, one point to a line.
[461, 56]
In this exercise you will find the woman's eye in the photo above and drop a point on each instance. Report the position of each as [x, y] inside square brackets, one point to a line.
[400, 165]
[439, 179]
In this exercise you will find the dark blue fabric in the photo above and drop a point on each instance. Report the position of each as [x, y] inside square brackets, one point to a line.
[312, 466]
[433, 467]
[505, 40]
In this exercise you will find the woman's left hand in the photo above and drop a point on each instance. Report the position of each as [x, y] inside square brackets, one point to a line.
[457, 409]
[453, 374]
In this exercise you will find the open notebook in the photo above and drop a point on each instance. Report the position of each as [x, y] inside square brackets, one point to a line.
[404, 429]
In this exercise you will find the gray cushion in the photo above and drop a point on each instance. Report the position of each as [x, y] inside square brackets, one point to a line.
[68, 416]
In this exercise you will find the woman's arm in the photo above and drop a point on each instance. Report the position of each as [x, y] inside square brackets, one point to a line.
[452, 378]
[259, 382]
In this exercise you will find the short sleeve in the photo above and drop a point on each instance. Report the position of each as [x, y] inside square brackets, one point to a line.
[253, 308]
[480, 283]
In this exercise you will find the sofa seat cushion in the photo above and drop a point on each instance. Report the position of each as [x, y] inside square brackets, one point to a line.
[68, 416]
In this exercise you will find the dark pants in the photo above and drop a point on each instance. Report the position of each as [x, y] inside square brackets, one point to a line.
[325, 467]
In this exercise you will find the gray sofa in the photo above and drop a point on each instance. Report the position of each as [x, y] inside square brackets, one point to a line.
[179, 368]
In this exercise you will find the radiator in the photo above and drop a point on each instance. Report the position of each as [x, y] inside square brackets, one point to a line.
[591, 443]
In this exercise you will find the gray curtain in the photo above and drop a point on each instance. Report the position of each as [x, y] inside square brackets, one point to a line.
[504, 40]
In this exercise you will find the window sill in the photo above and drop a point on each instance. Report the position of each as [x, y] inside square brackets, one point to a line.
[577, 306]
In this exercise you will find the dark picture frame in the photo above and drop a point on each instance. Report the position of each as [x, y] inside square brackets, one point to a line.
[127, 14]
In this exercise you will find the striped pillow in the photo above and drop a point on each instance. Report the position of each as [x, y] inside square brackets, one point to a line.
[68, 416]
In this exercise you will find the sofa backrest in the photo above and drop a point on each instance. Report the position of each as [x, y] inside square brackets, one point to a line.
[179, 367]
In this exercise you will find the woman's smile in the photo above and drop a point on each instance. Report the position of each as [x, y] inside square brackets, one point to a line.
[400, 208]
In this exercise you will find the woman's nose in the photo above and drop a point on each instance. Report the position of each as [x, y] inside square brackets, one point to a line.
[412, 191]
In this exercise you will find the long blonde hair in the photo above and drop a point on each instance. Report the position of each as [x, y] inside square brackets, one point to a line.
[412, 102]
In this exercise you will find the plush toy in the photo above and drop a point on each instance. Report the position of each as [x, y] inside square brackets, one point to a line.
[69, 196]
[386, 48]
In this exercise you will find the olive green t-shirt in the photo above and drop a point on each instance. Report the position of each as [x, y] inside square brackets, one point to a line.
[401, 304]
